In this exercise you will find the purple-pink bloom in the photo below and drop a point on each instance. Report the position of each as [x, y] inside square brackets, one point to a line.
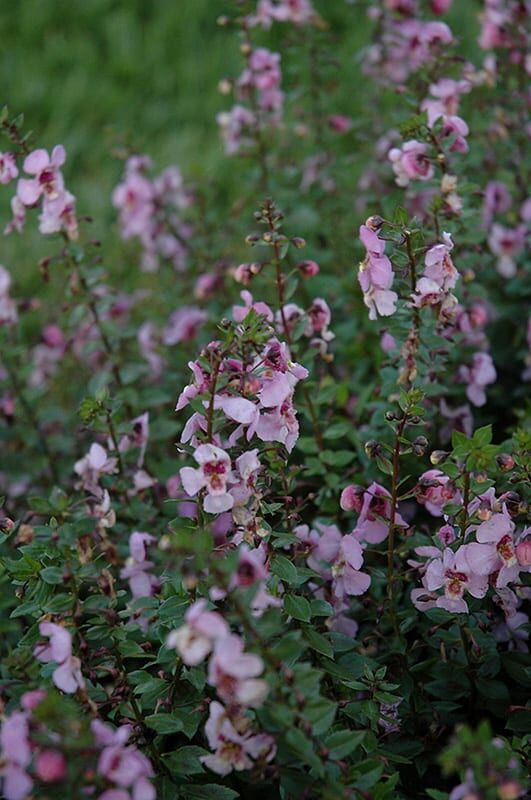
[67, 675]
[195, 639]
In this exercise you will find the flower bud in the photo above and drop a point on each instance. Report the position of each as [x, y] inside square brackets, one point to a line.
[7, 524]
[298, 242]
[352, 498]
[372, 448]
[374, 223]
[419, 445]
[50, 766]
[505, 462]
[438, 457]
[253, 238]
[481, 477]
[308, 268]
[245, 49]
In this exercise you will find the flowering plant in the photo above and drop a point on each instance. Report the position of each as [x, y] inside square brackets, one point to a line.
[265, 519]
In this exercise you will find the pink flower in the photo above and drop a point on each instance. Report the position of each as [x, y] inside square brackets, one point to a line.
[346, 574]
[497, 201]
[339, 123]
[497, 532]
[308, 269]
[184, 325]
[141, 583]
[440, 6]
[59, 213]
[235, 673]
[235, 126]
[478, 376]
[92, 466]
[123, 765]
[50, 766]
[8, 168]
[374, 515]
[67, 675]
[195, 639]
[233, 750]
[454, 573]
[16, 755]
[240, 312]
[48, 180]
[214, 473]
[507, 244]
[376, 277]
[411, 162]
[523, 552]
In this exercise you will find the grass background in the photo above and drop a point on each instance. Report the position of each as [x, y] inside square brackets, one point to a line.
[98, 74]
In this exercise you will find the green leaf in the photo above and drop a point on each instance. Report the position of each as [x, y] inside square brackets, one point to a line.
[185, 760]
[297, 607]
[164, 723]
[52, 575]
[208, 791]
[318, 642]
[284, 569]
[342, 743]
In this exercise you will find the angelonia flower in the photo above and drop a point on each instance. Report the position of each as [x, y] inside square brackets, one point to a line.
[235, 675]
[298, 12]
[507, 244]
[411, 162]
[477, 376]
[122, 765]
[92, 466]
[67, 675]
[435, 490]
[373, 506]
[439, 277]
[45, 190]
[376, 276]
[136, 570]
[259, 85]
[405, 44]
[151, 211]
[8, 168]
[47, 356]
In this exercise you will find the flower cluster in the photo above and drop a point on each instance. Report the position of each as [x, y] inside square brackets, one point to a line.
[151, 211]
[45, 189]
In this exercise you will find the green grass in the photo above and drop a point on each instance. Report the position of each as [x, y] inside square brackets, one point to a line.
[100, 74]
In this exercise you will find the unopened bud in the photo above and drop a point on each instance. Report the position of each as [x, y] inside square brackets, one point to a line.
[374, 223]
[253, 238]
[308, 268]
[223, 20]
[372, 448]
[7, 524]
[419, 445]
[298, 242]
[245, 49]
[267, 237]
[505, 462]
[481, 477]
[438, 457]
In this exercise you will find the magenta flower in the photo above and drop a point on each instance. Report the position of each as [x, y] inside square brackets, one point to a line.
[67, 675]
[195, 639]
[213, 474]
[123, 765]
[183, 325]
[50, 766]
[497, 532]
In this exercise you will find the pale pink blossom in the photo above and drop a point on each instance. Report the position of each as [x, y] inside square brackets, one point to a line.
[477, 376]
[213, 474]
[67, 675]
[8, 168]
[410, 162]
[234, 673]
[233, 750]
[195, 639]
[92, 466]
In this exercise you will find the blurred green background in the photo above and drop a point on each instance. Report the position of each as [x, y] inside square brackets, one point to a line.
[99, 74]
